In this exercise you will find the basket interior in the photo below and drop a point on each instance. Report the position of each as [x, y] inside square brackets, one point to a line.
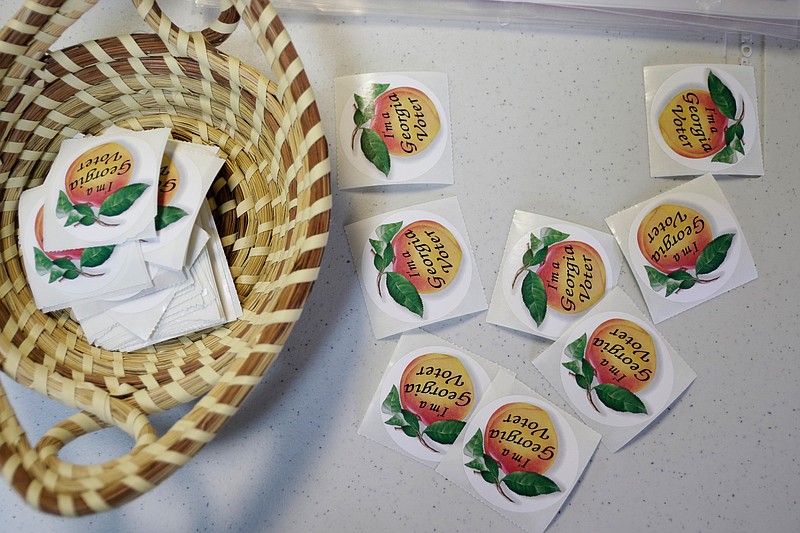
[260, 203]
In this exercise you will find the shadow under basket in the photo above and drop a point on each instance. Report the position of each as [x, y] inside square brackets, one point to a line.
[271, 203]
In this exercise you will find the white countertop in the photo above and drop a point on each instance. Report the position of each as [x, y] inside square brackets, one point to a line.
[548, 120]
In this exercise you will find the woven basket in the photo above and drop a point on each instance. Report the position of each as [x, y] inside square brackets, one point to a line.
[271, 204]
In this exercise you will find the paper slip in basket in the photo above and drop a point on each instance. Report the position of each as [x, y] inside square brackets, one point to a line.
[616, 370]
[393, 128]
[520, 454]
[684, 247]
[426, 395]
[207, 299]
[162, 278]
[552, 272]
[416, 266]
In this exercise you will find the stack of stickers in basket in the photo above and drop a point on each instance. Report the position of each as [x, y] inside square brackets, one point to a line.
[120, 232]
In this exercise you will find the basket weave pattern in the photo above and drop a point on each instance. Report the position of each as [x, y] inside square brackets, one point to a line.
[271, 204]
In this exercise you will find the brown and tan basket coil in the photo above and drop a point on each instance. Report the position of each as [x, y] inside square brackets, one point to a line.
[271, 203]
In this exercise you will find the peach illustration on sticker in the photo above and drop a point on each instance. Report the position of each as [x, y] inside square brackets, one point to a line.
[435, 396]
[705, 122]
[567, 276]
[169, 182]
[97, 187]
[682, 251]
[67, 264]
[425, 258]
[516, 447]
[620, 356]
[393, 122]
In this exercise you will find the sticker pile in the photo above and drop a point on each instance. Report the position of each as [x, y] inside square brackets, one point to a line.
[120, 232]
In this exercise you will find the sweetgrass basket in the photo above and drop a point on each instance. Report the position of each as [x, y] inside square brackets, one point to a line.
[271, 203]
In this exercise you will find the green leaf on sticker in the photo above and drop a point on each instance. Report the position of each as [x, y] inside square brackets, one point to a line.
[63, 205]
[587, 371]
[474, 446]
[375, 150]
[619, 399]
[734, 130]
[737, 145]
[377, 246]
[535, 242]
[120, 201]
[527, 258]
[577, 348]
[96, 255]
[388, 256]
[56, 274]
[73, 218]
[679, 275]
[489, 478]
[386, 232]
[492, 469]
[477, 464]
[381, 262]
[686, 279]
[80, 214]
[534, 297]
[578, 365]
[359, 103]
[657, 279]
[168, 214]
[391, 405]
[722, 96]
[365, 105]
[84, 209]
[726, 155]
[359, 119]
[377, 89]
[411, 419]
[530, 483]
[572, 366]
[444, 431]
[409, 431]
[539, 256]
[404, 293]
[42, 262]
[72, 274]
[713, 255]
[551, 236]
[396, 420]
[582, 382]
[487, 467]
[577, 370]
[65, 263]
[672, 286]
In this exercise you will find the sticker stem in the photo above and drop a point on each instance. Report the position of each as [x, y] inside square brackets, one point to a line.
[499, 487]
[380, 275]
[521, 269]
[353, 139]
[591, 401]
[106, 224]
[421, 439]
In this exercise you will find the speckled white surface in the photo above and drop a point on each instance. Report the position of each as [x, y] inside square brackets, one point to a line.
[548, 120]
